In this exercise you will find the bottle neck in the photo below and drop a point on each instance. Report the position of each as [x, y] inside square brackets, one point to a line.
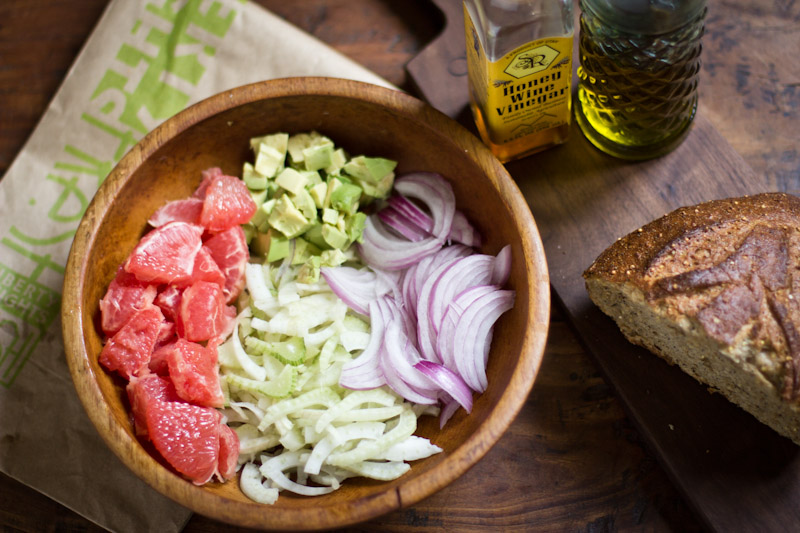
[647, 17]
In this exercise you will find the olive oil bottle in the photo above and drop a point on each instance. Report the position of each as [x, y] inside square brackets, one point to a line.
[519, 57]
[638, 74]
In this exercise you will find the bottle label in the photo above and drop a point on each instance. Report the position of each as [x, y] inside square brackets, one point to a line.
[524, 92]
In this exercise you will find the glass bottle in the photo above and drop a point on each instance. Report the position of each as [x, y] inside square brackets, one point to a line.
[638, 74]
[519, 57]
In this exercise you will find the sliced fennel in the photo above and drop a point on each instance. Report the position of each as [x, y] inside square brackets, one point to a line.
[298, 429]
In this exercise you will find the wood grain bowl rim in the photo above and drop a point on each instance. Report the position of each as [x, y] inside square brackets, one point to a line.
[130, 451]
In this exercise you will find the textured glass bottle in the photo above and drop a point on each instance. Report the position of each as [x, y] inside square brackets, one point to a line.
[519, 57]
[638, 74]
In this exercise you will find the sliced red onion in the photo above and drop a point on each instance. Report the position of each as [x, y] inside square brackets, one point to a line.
[445, 341]
[449, 408]
[448, 381]
[402, 225]
[354, 287]
[463, 231]
[472, 330]
[389, 251]
[502, 266]
[409, 210]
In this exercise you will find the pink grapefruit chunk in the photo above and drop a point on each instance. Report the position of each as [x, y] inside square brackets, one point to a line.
[205, 269]
[185, 210]
[129, 350]
[143, 390]
[169, 300]
[201, 312]
[194, 373]
[229, 250]
[125, 296]
[187, 436]
[208, 176]
[166, 254]
[227, 203]
[228, 453]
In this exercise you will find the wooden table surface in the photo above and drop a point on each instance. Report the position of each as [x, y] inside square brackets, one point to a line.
[590, 470]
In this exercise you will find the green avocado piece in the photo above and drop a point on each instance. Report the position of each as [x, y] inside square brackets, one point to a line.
[299, 142]
[303, 250]
[338, 159]
[335, 237]
[354, 226]
[269, 160]
[286, 218]
[278, 141]
[333, 257]
[318, 192]
[291, 180]
[380, 189]
[259, 197]
[314, 235]
[309, 272]
[318, 156]
[305, 203]
[277, 247]
[345, 198]
[312, 176]
[330, 216]
[372, 169]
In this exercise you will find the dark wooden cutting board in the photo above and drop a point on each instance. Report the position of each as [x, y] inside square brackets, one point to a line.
[738, 474]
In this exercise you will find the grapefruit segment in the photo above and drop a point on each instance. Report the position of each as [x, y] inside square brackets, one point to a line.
[166, 254]
[229, 250]
[227, 203]
[143, 390]
[208, 176]
[129, 350]
[186, 210]
[125, 296]
[187, 436]
[228, 453]
[193, 371]
[199, 311]
[169, 301]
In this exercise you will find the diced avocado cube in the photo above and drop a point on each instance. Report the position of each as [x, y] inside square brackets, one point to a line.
[338, 159]
[305, 203]
[372, 169]
[312, 176]
[333, 257]
[249, 231]
[303, 250]
[334, 236]
[354, 225]
[291, 180]
[318, 156]
[279, 141]
[318, 193]
[333, 184]
[330, 216]
[299, 142]
[309, 272]
[287, 219]
[256, 182]
[259, 197]
[277, 247]
[314, 235]
[380, 189]
[261, 215]
[269, 160]
[345, 198]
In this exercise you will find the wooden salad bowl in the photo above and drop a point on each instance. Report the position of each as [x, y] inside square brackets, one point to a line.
[364, 119]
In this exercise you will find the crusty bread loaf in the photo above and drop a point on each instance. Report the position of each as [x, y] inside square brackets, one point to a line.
[715, 289]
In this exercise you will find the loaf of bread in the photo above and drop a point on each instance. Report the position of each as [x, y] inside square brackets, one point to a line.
[715, 289]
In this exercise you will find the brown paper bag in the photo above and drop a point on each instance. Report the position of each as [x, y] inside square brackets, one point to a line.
[143, 63]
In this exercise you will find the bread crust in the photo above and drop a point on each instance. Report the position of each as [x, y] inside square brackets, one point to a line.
[715, 288]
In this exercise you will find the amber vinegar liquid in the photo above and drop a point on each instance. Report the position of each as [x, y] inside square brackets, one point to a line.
[520, 43]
